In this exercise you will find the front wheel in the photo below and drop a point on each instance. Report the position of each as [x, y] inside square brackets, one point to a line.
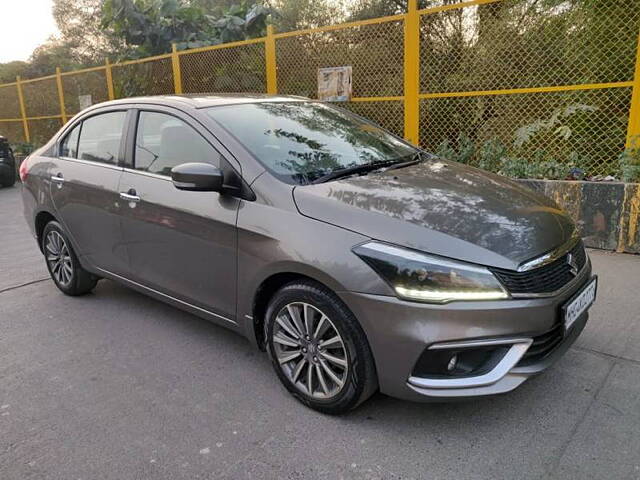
[62, 262]
[318, 349]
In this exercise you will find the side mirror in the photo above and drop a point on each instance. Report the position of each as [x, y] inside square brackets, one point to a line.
[197, 177]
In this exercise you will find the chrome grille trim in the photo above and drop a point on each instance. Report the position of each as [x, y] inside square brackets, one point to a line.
[550, 257]
[546, 280]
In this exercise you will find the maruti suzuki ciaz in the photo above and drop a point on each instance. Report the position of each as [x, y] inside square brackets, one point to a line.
[356, 260]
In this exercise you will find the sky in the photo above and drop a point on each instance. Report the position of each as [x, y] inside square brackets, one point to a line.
[24, 24]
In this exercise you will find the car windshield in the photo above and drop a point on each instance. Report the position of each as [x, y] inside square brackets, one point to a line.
[301, 142]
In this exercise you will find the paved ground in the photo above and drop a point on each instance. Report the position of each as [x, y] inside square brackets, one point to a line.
[115, 385]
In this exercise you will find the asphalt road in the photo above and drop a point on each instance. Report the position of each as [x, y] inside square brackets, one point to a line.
[115, 385]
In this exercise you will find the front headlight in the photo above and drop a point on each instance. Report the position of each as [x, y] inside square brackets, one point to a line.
[426, 278]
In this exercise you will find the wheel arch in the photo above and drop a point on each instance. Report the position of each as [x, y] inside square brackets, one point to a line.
[269, 285]
[41, 220]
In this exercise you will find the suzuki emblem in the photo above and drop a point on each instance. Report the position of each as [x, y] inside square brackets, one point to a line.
[573, 265]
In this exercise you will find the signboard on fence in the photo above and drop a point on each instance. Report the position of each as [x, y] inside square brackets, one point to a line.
[85, 101]
[334, 84]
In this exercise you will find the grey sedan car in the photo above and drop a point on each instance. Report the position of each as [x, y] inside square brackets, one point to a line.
[356, 260]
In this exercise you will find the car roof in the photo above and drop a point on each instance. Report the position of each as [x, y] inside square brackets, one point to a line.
[205, 100]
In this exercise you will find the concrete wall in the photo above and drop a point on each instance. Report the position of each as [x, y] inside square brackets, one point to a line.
[606, 213]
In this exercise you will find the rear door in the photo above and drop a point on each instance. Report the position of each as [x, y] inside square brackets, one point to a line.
[180, 243]
[84, 188]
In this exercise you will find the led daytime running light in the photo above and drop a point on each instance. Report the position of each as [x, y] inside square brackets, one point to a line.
[449, 295]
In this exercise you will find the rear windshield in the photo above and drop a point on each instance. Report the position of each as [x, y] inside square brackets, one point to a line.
[4, 149]
[302, 141]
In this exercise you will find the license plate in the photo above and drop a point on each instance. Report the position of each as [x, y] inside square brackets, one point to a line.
[579, 303]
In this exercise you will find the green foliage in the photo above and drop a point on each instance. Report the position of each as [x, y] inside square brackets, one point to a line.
[462, 150]
[80, 25]
[23, 148]
[557, 124]
[149, 27]
[629, 161]
[10, 70]
[494, 156]
[292, 15]
[537, 167]
[544, 149]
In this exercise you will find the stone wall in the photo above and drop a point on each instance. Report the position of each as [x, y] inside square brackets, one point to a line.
[606, 213]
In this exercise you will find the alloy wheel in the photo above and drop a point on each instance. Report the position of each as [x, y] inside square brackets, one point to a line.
[59, 258]
[310, 350]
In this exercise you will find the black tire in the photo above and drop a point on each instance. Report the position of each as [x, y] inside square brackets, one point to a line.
[8, 182]
[360, 375]
[80, 281]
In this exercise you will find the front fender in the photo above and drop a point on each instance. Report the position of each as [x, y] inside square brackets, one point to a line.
[274, 241]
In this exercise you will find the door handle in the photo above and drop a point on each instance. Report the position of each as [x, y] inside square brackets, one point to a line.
[58, 179]
[130, 196]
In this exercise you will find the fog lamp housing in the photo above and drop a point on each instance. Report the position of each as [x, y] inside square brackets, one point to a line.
[458, 362]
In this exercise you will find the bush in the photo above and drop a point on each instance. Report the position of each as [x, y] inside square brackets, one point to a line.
[629, 161]
[23, 148]
[543, 150]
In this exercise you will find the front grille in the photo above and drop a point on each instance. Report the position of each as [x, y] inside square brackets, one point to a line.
[542, 345]
[545, 279]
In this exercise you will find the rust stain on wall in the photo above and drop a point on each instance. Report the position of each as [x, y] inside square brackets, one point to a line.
[633, 217]
[569, 196]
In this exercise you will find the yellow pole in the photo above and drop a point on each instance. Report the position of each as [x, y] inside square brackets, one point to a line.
[63, 110]
[412, 73]
[270, 60]
[23, 111]
[109, 76]
[177, 75]
[633, 131]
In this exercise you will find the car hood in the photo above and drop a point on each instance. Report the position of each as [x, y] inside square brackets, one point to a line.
[443, 208]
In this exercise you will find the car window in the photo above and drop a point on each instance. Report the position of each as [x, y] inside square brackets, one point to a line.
[100, 137]
[69, 147]
[300, 142]
[164, 141]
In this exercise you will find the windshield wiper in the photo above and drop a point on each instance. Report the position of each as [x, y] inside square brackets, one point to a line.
[365, 168]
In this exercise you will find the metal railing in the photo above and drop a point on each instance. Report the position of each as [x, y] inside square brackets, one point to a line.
[504, 74]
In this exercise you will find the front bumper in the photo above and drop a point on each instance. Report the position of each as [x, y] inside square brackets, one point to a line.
[399, 332]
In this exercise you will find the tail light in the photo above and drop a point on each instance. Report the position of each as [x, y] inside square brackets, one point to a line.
[24, 169]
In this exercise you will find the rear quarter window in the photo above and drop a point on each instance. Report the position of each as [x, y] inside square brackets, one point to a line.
[100, 138]
[69, 146]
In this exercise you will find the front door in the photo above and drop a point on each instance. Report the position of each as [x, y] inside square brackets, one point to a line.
[180, 243]
[84, 188]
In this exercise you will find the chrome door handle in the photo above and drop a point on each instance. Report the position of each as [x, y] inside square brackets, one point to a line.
[57, 179]
[128, 197]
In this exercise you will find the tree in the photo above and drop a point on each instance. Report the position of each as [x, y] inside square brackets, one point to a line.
[292, 15]
[215, 8]
[80, 26]
[10, 70]
[363, 9]
[149, 27]
[43, 61]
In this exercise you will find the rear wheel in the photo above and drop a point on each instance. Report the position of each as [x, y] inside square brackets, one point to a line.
[63, 264]
[8, 181]
[318, 349]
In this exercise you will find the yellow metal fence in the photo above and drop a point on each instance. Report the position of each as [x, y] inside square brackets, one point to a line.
[483, 80]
